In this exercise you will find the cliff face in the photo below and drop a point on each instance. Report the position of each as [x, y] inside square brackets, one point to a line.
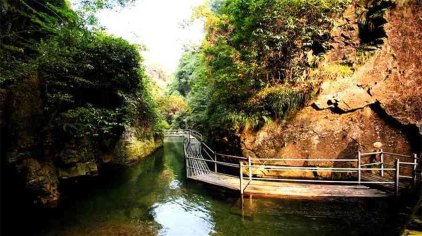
[370, 90]
[43, 166]
[71, 100]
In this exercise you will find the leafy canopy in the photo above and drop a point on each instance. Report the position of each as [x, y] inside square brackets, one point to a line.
[254, 60]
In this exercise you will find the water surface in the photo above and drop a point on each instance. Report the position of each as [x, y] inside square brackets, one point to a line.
[153, 197]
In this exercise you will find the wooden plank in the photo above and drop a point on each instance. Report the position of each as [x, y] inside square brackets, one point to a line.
[376, 178]
[221, 180]
[311, 190]
[202, 173]
[280, 189]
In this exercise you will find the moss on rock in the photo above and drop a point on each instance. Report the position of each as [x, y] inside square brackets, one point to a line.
[133, 146]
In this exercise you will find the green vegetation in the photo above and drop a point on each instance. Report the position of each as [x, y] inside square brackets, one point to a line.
[187, 71]
[189, 84]
[89, 86]
[254, 64]
[95, 86]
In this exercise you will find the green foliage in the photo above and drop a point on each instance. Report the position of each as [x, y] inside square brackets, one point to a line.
[274, 103]
[266, 39]
[22, 25]
[254, 60]
[92, 85]
[171, 106]
[187, 71]
[95, 5]
[190, 83]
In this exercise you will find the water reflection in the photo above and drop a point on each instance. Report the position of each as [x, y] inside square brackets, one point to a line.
[180, 217]
[181, 213]
[154, 197]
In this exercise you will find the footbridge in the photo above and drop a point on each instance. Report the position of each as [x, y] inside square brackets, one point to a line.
[370, 174]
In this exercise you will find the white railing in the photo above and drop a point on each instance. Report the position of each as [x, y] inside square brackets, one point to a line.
[393, 166]
[184, 132]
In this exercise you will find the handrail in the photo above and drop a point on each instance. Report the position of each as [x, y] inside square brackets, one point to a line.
[210, 156]
[218, 162]
[408, 163]
[373, 164]
[313, 168]
[397, 154]
[362, 154]
[231, 156]
[197, 134]
[323, 181]
[212, 151]
[308, 159]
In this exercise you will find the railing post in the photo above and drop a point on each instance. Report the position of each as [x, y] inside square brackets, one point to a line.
[397, 178]
[186, 161]
[382, 162]
[359, 168]
[250, 168]
[215, 163]
[241, 177]
[415, 165]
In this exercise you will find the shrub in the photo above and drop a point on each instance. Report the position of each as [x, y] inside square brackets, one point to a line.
[255, 59]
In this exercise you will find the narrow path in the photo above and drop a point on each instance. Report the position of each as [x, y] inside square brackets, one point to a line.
[288, 190]
[388, 180]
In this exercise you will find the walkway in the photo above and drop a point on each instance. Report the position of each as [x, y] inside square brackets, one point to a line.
[357, 177]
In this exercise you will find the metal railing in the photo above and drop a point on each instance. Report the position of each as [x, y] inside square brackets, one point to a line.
[184, 132]
[391, 169]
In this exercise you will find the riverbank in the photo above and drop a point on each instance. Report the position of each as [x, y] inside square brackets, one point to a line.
[153, 197]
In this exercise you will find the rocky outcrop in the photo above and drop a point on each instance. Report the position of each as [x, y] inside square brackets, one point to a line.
[132, 147]
[42, 165]
[343, 96]
[41, 179]
[379, 99]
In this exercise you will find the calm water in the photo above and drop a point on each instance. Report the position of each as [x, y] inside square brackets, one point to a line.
[153, 198]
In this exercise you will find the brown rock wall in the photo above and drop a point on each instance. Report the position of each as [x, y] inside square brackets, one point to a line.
[380, 101]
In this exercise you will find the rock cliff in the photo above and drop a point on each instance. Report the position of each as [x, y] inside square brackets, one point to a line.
[369, 90]
[41, 165]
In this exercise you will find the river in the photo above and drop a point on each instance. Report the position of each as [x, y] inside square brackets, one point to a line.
[154, 197]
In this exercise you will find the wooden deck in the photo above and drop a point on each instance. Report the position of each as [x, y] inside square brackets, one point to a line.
[289, 190]
[201, 165]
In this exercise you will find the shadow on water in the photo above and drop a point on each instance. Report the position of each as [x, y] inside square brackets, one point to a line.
[153, 197]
